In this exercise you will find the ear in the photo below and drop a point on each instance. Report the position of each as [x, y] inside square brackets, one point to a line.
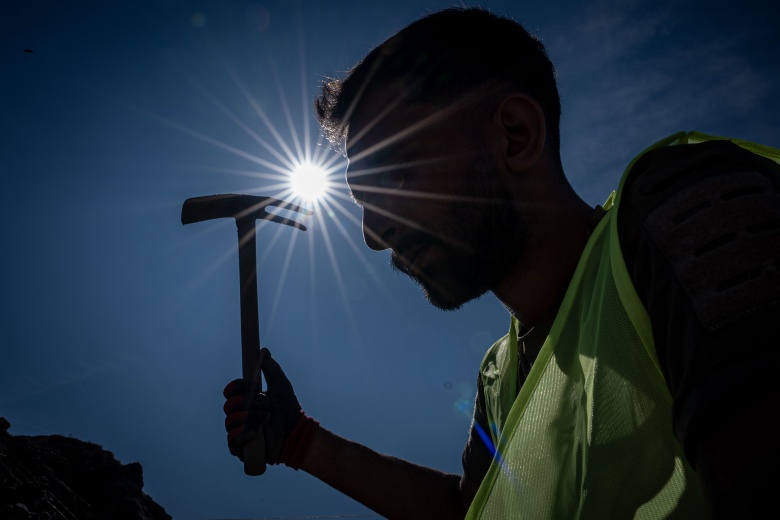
[521, 124]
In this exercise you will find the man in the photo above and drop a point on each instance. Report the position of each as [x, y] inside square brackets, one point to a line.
[634, 380]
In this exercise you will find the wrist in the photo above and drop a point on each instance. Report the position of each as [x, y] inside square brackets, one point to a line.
[299, 441]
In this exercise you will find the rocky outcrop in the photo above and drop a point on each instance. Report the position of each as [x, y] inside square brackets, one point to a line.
[54, 477]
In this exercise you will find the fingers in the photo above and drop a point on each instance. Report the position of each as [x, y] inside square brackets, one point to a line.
[236, 387]
[243, 402]
[245, 416]
[238, 437]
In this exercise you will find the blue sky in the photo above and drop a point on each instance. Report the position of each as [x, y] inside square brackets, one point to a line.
[121, 326]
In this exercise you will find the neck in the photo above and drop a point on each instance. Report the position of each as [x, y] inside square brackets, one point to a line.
[539, 278]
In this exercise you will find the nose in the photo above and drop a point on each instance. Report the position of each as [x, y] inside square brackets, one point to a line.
[378, 229]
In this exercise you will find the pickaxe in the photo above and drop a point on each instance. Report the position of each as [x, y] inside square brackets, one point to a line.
[246, 209]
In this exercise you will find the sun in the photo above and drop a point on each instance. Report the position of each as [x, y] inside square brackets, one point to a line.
[309, 181]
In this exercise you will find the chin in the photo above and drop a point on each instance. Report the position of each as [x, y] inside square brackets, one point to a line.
[447, 289]
[449, 301]
[442, 304]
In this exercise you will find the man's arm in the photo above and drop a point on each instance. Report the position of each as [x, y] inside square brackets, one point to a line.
[390, 486]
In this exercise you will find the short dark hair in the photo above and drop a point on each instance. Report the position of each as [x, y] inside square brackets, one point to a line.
[444, 57]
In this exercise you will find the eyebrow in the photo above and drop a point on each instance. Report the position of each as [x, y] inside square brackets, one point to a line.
[353, 177]
[404, 135]
[383, 157]
[366, 187]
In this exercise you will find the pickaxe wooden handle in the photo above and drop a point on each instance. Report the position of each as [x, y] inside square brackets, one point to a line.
[246, 209]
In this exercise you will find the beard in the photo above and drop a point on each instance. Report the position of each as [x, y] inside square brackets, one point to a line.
[483, 234]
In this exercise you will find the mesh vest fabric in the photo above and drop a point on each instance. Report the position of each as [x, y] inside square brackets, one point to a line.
[590, 433]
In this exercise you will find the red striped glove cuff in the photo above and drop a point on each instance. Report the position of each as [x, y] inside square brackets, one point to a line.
[299, 441]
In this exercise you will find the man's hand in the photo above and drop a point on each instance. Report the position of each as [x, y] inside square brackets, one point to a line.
[277, 411]
[392, 487]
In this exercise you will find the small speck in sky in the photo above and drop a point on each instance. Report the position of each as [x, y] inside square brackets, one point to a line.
[198, 20]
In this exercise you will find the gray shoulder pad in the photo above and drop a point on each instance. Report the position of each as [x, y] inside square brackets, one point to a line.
[720, 229]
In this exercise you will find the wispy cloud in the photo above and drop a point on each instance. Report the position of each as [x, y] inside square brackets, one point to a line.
[41, 379]
[633, 73]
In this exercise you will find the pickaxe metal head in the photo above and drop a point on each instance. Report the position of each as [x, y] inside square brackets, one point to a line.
[246, 209]
[240, 207]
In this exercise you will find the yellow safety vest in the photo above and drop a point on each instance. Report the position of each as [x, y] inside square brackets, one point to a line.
[590, 433]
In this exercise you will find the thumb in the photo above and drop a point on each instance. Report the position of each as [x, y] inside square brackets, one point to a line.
[274, 375]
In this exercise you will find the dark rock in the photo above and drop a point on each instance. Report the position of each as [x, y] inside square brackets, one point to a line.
[55, 477]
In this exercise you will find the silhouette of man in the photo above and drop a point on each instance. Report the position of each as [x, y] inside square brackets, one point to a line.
[634, 381]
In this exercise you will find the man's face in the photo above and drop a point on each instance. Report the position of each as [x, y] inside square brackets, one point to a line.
[478, 241]
[432, 192]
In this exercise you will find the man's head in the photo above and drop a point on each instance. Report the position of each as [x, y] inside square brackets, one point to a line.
[446, 57]
[438, 120]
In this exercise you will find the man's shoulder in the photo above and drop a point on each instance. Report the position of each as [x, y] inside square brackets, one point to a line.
[664, 172]
[713, 211]
[699, 229]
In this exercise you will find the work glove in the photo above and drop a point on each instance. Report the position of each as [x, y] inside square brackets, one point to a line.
[287, 431]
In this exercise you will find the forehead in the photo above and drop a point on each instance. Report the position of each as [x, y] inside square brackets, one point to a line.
[384, 120]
